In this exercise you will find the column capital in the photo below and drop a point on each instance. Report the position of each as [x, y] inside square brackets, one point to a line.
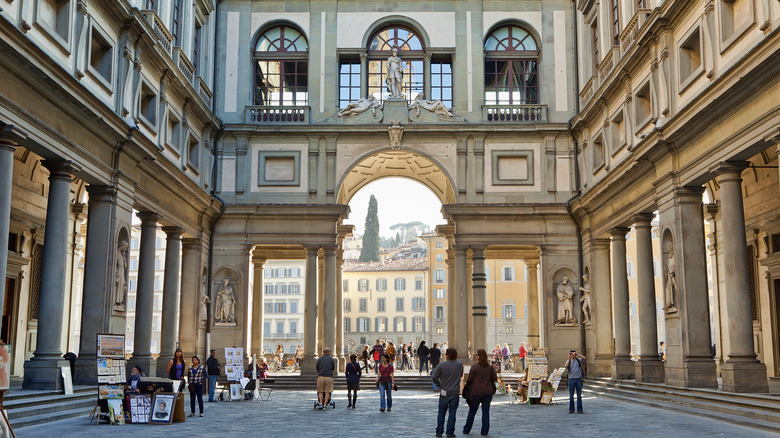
[600, 243]
[531, 263]
[148, 217]
[11, 136]
[311, 247]
[642, 220]
[100, 193]
[61, 169]
[258, 263]
[190, 243]
[173, 232]
[729, 169]
[478, 253]
[711, 210]
[619, 233]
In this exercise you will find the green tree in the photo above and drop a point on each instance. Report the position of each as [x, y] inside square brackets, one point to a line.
[370, 250]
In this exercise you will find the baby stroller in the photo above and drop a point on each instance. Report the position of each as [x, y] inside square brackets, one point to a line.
[331, 403]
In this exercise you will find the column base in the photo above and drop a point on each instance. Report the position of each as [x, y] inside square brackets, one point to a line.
[309, 366]
[161, 365]
[86, 371]
[148, 366]
[738, 377]
[601, 368]
[623, 368]
[649, 371]
[694, 373]
[45, 374]
[342, 364]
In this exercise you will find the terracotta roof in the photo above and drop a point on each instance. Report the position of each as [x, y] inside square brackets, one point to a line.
[408, 264]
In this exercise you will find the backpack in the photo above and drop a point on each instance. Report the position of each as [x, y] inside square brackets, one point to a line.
[376, 355]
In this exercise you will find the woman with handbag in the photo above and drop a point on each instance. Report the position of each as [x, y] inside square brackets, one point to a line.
[353, 373]
[176, 366]
[385, 381]
[482, 378]
[195, 376]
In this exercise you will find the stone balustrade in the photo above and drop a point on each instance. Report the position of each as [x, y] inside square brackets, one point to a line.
[184, 65]
[514, 113]
[628, 36]
[277, 114]
[203, 91]
[164, 37]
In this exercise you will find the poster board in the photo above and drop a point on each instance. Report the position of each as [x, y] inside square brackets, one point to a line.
[546, 397]
[140, 407]
[111, 371]
[555, 378]
[67, 379]
[235, 391]
[5, 367]
[111, 346]
[534, 389]
[116, 412]
[234, 364]
[109, 392]
[162, 408]
[178, 409]
[537, 368]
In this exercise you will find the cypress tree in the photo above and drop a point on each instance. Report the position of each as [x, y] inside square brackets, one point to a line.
[370, 250]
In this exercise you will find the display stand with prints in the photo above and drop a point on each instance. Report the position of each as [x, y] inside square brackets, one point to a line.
[234, 371]
[111, 378]
[5, 385]
[140, 407]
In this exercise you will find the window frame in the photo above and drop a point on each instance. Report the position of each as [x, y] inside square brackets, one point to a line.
[510, 55]
[282, 56]
[408, 56]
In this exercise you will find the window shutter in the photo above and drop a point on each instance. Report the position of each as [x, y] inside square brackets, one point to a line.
[423, 324]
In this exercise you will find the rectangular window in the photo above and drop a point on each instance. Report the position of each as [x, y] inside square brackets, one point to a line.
[439, 244]
[347, 305]
[509, 330]
[157, 303]
[133, 264]
[412, 78]
[439, 330]
[509, 273]
[347, 324]
[158, 242]
[280, 307]
[55, 15]
[280, 327]
[441, 81]
[157, 264]
[642, 108]
[101, 56]
[381, 324]
[282, 83]
[293, 327]
[196, 48]
[439, 257]
[345, 285]
[131, 284]
[157, 284]
[615, 16]
[266, 327]
[439, 275]
[281, 272]
[690, 59]
[418, 304]
[349, 82]
[134, 243]
[156, 324]
[418, 282]
[380, 305]
[268, 272]
[362, 285]
[295, 272]
[293, 307]
[438, 312]
[362, 325]
[148, 105]
[400, 283]
[131, 303]
[508, 310]
[418, 323]
[176, 23]
[269, 289]
[511, 82]
[269, 307]
[363, 305]
[399, 304]
[440, 294]
[381, 284]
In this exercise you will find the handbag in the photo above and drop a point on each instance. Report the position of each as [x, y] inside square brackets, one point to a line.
[467, 393]
[395, 387]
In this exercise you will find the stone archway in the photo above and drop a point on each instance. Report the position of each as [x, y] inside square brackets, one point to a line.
[397, 163]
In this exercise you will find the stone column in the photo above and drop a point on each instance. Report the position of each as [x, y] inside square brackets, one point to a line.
[100, 260]
[601, 308]
[460, 302]
[191, 317]
[479, 308]
[450, 295]
[329, 304]
[622, 365]
[144, 301]
[340, 311]
[649, 367]
[310, 314]
[532, 298]
[42, 371]
[9, 138]
[320, 301]
[170, 302]
[258, 298]
[742, 372]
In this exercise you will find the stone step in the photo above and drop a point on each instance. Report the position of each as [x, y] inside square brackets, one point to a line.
[16, 404]
[49, 416]
[757, 413]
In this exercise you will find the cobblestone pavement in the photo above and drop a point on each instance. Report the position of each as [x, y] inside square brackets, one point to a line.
[290, 413]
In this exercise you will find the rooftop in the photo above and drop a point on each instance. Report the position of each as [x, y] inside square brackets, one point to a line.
[407, 264]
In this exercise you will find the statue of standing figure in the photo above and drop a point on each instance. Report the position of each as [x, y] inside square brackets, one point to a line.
[670, 272]
[585, 288]
[120, 275]
[204, 308]
[395, 74]
[226, 303]
[565, 293]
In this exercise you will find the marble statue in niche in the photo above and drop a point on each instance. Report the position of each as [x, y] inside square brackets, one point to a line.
[120, 276]
[565, 294]
[670, 274]
[225, 309]
[585, 288]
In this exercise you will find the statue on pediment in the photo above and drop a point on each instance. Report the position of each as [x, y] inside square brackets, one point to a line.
[433, 106]
[361, 106]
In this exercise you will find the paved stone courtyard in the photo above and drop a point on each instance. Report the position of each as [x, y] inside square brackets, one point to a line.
[290, 413]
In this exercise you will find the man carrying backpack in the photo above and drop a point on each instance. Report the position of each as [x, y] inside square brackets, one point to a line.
[574, 366]
[376, 353]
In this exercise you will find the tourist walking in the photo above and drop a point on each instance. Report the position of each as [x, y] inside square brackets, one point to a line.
[353, 373]
[214, 369]
[195, 376]
[391, 351]
[422, 356]
[482, 378]
[435, 356]
[376, 352]
[385, 380]
[405, 358]
[506, 353]
[447, 376]
[364, 357]
[326, 365]
[574, 367]
[176, 366]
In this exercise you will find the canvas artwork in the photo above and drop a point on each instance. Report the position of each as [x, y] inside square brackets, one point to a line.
[102, 367]
[111, 392]
[534, 389]
[116, 412]
[112, 346]
[162, 408]
[5, 367]
[235, 391]
[5, 429]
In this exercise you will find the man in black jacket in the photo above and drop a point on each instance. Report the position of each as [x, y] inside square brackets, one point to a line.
[214, 369]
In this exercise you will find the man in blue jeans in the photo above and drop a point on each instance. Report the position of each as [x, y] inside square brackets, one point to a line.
[447, 376]
[574, 366]
[214, 369]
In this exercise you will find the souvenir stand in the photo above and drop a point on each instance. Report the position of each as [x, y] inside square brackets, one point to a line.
[234, 372]
[111, 379]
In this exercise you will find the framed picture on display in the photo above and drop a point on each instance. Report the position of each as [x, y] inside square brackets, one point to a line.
[111, 346]
[162, 408]
[534, 389]
[5, 367]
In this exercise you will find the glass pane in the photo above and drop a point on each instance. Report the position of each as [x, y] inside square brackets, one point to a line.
[447, 79]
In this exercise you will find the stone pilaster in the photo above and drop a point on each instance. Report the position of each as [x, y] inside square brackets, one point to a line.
[100, 263]
[258, 298]
[649, 367]
[193, 283]
[144, 301]
[170, 302]
[601, 308]
[622, 365]
[532, 291]
[742, 372]
[310, 314]
[42, 371]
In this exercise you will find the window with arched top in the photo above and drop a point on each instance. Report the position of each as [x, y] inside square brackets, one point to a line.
[511, 67]
[281, 68]
[410, 50]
